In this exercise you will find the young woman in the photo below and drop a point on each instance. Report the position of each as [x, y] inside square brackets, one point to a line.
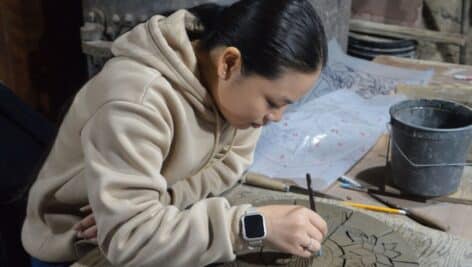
[170, 122]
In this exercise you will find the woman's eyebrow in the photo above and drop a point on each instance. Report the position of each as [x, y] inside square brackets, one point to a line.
[287, 101]
[284, 101]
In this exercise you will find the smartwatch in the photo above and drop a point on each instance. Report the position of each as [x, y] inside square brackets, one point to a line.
[253, 228]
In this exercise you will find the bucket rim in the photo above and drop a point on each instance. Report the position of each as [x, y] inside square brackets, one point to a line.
[458, 129]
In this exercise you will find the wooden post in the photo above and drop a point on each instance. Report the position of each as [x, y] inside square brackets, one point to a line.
[464, 30]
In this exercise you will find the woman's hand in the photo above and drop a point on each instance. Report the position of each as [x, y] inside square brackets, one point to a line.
[290, 229]
[294, 229]
[86, 228]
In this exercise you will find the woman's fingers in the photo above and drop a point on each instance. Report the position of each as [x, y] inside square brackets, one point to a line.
[308, 248]
[315, 234]
[86, 209]
[89, 233]
[314, 246]
[85, 223]
[302, 252]
[319, 223]
[294, 229]
[86, 228]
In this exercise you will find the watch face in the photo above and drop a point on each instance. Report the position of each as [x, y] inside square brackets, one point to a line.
[254, 226]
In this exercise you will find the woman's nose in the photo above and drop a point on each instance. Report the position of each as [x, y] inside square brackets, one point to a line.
[275, 116]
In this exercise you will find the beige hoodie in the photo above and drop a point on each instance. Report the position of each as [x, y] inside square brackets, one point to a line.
[142, 142]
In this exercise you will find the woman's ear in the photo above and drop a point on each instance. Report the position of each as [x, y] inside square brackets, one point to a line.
[229, 63]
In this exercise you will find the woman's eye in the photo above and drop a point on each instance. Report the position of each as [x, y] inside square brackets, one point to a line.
[272, 105]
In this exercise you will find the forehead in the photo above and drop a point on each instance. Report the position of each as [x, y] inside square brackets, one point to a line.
[290, 85]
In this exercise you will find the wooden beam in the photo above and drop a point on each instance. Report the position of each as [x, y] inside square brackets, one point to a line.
[395, 31]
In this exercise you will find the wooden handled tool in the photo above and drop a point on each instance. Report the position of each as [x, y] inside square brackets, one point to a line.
[263, 181]
[310, 192]
[266, 182]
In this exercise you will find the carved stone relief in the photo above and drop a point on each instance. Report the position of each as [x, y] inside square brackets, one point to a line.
[354, 239]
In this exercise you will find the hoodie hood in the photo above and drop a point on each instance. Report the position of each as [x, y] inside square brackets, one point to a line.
[162, 43]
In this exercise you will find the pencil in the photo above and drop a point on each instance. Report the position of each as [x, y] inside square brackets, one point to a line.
[375, 208]
[418, 217]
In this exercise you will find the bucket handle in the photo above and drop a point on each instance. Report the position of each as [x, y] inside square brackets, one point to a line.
[416, 165]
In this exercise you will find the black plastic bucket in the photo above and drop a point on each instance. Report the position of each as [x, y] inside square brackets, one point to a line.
[368, 46]
[429, 141]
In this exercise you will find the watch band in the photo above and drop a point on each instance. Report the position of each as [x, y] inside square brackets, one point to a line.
[251, 210]
[254, 244]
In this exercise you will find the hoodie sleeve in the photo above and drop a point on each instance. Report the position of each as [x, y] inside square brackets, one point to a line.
[124, 146]
[219, 175]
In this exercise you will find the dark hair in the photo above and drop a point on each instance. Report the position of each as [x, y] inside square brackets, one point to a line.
[272, 35]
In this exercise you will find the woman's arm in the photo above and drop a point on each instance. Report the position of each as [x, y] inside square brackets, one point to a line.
[124, 146]
[220, 175]
[210, 181]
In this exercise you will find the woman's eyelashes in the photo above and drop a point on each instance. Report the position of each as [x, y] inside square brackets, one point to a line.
[272, 104]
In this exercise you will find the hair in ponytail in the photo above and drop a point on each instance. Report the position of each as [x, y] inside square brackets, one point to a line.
[208, 15]
[272, 35]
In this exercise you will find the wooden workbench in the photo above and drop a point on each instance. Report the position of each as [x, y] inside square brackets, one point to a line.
[371, 170]
[443, 84]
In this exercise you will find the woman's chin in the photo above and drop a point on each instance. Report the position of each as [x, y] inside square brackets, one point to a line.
[241, 126]
[255, 125]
